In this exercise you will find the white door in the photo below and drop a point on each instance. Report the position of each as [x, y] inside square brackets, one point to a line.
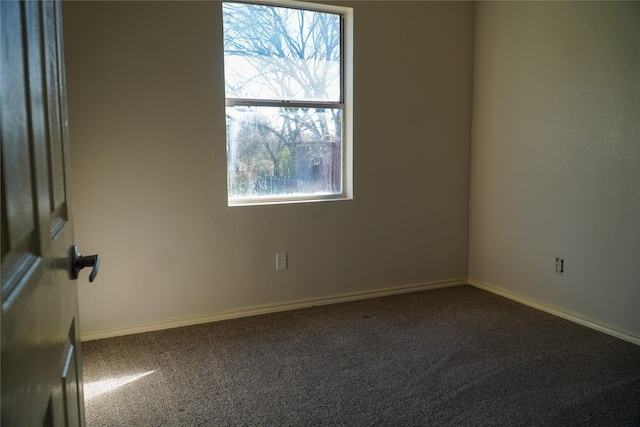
[41, 355]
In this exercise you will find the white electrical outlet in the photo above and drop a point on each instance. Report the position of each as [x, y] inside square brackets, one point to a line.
[559, 265]
[281, 261]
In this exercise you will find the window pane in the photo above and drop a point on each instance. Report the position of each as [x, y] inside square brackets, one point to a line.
[279, 53]
[283, 151]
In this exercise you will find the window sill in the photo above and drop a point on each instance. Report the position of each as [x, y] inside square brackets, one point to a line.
[282, 200]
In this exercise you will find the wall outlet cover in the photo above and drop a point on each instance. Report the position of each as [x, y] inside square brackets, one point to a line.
[281, 261]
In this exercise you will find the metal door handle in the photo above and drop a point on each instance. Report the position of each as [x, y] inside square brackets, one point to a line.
[79, 261]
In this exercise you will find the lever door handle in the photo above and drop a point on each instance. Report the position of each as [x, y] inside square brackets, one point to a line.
[79, 261]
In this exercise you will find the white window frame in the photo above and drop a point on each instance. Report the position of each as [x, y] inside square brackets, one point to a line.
[346, 104]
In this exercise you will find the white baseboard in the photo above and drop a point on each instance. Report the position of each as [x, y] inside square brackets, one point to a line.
[264, 309]
[557, 311]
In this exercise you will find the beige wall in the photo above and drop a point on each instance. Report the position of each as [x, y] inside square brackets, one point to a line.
[556, 155]
[146, 108]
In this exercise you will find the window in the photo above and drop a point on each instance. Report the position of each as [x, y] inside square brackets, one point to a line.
[287, 69]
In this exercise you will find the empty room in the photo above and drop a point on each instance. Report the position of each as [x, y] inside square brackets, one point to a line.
[344, 213]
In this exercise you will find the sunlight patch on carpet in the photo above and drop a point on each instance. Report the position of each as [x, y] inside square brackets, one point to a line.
[96, 388]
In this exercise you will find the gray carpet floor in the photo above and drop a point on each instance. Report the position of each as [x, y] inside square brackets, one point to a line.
[447, 357]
